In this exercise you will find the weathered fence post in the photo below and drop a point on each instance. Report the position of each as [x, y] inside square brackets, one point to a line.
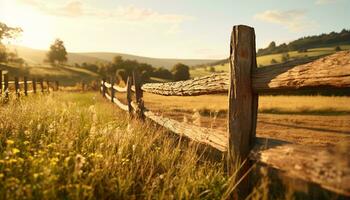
[243, 106]
[25, 86]
[42, 85]
[57, 85]
[6, 86]
[128, 94]
[0, 82]
[34, 85]
[103, 87]
[48, 86]
[112, 89]
[17, 87]
[138, 94]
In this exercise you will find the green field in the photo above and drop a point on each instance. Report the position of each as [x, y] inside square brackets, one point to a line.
[66, 75]
[266, 59]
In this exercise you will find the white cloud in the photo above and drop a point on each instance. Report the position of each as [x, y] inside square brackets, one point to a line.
[294, 20]
[322, 2]
[129, 13]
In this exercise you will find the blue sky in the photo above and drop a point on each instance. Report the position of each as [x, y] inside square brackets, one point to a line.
[168, 28]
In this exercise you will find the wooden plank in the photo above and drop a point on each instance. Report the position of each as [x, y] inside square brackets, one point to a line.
[107, 85]
[128, 94]
[0, 82]
[41, 81]
[112, 90]
[34, 85]
[120, 89]
[138, 95]
[328, 168]
[242, 111]
[121, 105]
[331, 72]
[25, 86]
[6, 87]
[199, 134]
[17, 89]
[212, 84]
[320, 165]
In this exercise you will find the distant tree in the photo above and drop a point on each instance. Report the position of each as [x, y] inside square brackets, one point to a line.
[272, 45]
[273, 61]
[7, 32]
[162, 73]
[337, 48]
[181, 72]
[57, 53]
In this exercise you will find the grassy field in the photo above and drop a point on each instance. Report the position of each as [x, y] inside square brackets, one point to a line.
[266, 60]
[80, 146]
[72, 146]
[66, 75]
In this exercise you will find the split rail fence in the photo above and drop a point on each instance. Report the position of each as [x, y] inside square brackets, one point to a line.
[17, 84]
[244, 83]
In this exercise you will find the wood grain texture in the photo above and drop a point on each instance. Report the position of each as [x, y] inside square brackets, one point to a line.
[242, 108]
[0, 82]
[199, 134]
[129, 94]
[25, 86]
[329, 168]
[17, 90]
[215, 83]
[330, 72]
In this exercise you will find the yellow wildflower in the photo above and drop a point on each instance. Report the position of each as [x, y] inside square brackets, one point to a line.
[15, 150]
[9, 142]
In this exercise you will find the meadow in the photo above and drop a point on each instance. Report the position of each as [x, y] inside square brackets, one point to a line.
[266, 59]
[78, 146]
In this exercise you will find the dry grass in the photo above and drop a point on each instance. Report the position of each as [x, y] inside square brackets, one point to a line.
[267, 104]
[72, 146]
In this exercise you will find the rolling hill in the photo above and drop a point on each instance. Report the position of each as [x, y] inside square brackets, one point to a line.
[34, 56]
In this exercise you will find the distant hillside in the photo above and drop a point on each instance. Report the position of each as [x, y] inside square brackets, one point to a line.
[305, 43]
[34, 56]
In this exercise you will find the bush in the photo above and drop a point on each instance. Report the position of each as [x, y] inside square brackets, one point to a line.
[337, 48]
[181, 72]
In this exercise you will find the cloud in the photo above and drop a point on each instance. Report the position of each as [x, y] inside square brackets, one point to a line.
[322, 2]
[121, 13]
[294, 20]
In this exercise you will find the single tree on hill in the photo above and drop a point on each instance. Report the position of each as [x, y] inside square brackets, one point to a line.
[181, 72]
[57, 53]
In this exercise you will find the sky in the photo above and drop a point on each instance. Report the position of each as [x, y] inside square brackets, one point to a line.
[168, 28]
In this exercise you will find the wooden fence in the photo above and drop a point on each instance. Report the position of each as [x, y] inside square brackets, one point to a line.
[244, 83]
[5, 88]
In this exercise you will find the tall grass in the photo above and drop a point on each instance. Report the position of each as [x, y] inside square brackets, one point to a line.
[69, 146]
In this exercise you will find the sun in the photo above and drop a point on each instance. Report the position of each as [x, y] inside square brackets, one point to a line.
[37, 29]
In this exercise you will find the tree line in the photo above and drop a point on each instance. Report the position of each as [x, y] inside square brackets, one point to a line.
[123, 68]
[304, 43]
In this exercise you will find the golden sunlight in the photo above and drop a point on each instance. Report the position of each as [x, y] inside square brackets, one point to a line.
[37, 30]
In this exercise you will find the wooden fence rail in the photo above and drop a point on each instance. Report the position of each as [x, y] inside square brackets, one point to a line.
[5, 89]
[243, 83]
